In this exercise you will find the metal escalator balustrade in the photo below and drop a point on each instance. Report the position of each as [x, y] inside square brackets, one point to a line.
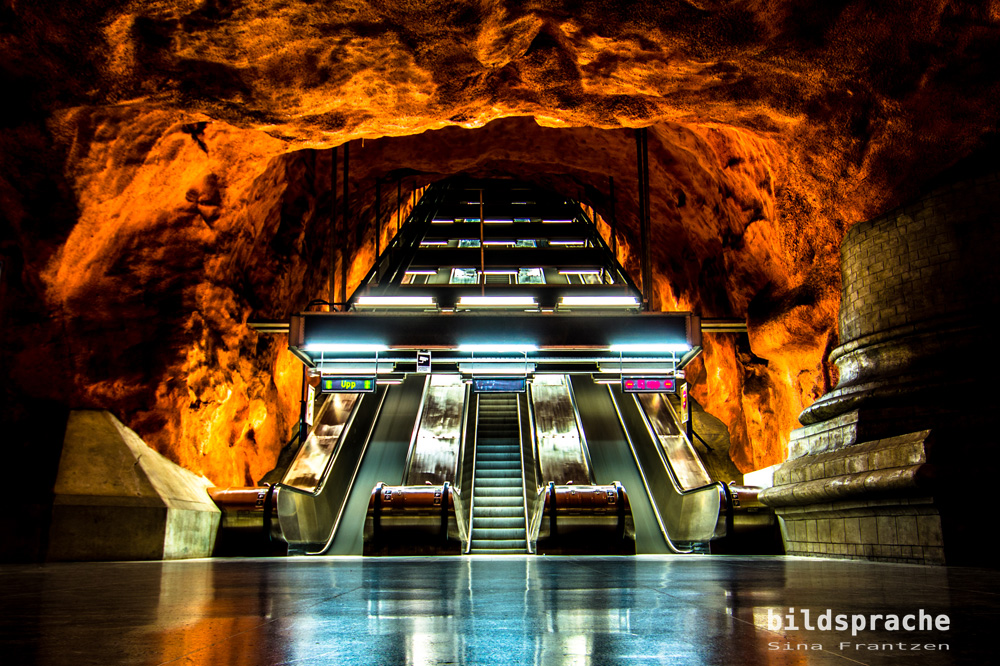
[498, 521]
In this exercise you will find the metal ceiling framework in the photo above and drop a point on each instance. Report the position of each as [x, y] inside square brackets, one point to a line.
[495, 277]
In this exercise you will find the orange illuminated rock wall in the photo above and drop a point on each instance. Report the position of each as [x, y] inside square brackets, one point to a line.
[165, 176]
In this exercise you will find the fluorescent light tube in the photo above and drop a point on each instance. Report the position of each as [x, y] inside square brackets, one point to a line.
[343, 347]
[395, 301]
[498, 348]
[497, 301]
[651, 348]
[599, 301]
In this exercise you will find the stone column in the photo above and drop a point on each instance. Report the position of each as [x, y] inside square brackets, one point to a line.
[894, 464]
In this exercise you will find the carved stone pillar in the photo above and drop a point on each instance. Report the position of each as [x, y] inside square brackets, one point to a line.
[896, 463]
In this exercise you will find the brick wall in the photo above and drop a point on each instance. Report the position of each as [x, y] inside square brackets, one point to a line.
[934, 257]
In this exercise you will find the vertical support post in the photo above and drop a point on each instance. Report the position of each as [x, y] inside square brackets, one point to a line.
[647, 244]
[690, 423]
[302, 407]
[642, 160]
[482, 245]
[614, 218]
[378, 222]
[347, 219]
[333, 227]
[399, 200]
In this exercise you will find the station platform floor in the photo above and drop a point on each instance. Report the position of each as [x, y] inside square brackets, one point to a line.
[549, 611]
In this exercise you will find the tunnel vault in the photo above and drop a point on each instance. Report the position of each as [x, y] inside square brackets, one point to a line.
[167, 175]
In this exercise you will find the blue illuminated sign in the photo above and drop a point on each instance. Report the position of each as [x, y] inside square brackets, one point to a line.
[499, 385]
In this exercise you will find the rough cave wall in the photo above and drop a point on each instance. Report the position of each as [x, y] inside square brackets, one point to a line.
[151, 203]
[187, 230]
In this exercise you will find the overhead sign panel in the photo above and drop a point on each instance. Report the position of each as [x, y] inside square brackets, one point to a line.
[347, 385]
[648, 385]
[498, 385]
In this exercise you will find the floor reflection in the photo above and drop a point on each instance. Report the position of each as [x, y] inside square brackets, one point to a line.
[481, 610]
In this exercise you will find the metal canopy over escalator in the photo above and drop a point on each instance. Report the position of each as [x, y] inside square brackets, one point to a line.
[496, 277]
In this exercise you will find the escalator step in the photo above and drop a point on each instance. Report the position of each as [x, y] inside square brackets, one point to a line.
[509, 500]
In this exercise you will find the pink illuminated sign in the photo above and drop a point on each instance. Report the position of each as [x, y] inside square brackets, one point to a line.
[648, 385]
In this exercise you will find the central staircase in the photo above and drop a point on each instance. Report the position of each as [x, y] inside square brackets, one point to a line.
[498, 523]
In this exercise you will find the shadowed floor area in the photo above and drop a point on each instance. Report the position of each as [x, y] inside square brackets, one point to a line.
[488, 610]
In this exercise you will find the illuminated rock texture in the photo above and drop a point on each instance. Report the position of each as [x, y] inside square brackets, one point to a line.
[165, 176]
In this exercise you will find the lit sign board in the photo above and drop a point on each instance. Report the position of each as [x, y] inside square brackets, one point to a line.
[347, 385]
[499, 385]
[648, 385]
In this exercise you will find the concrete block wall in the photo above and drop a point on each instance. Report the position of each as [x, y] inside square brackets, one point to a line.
[117, 499]
[867, 530]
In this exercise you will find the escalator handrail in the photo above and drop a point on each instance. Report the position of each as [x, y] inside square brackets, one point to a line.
[472, 491]
[534, 521]
[458, 503]
[465, 525]
[364, 449]
[520, 440]
[416, 431]
[583, 437]
[534, 442]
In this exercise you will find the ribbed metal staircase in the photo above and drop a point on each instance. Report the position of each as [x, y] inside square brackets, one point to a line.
[498, 524]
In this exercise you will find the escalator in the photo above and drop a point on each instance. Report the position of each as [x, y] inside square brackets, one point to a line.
[322, 511]
[668, 517]
[544, 471]
[498, 520]
[384, 460]
[612, 460]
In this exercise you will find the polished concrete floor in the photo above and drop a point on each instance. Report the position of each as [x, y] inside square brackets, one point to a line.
[482, 610]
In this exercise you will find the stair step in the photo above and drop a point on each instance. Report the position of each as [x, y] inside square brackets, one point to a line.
[499, 503]
[484, 492]
[496, 534]
[513, 466]
[514, 522]
[505, 512]
[498, 474]
[488, 482]
[506, 545]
